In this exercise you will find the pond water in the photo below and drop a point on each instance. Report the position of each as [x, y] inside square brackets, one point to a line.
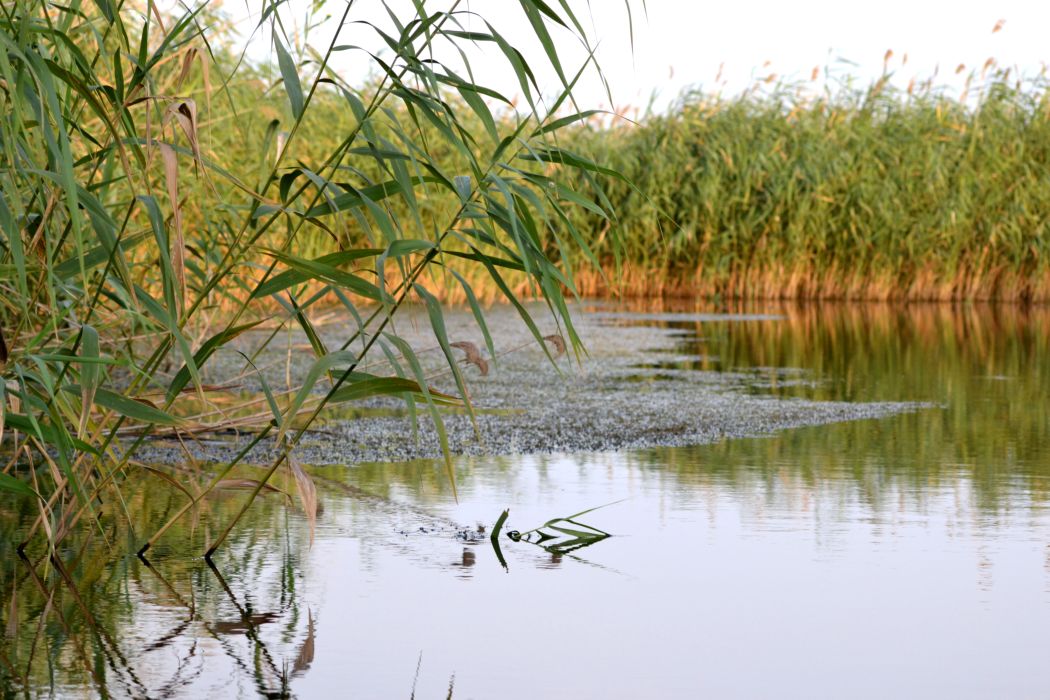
[907, 556]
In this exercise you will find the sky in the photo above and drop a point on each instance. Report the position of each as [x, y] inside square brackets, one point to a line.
[686, 43]
[726, 46]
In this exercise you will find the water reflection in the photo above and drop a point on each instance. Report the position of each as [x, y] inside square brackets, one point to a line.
[907, 543]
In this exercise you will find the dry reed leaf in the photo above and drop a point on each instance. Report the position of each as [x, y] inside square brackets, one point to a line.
[557, 342]
[16, 403]
[178, 243]
[998, 26]
[206, 75]
[164, 476]
[245, 484]
[473, 355]
[307, 494]
[306, 652]
[160, 19]
[960, 68]
[187, 63]
[206, 388]
[184, 112]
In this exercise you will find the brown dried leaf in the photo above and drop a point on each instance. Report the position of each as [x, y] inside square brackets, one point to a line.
[557, 342]
[187, 63]
[245, 484]
[168, 478]
[159, 17]
[185, 114]
[307, 494]
[306, 652]
[473, 355]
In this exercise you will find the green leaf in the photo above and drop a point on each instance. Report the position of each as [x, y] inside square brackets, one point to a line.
[89, 372]
[539, 28]
[439, 425]
[479, 316]
[563, 157]
[356, 197]
[291, 79]
[97, 256]
[362, 386]
[463, 187]
[157, 312]
[437, 323]
[167, 270]
[290, 278]
[322, 272]
[565, 121]
[321, 366]
[13, 484]
[406, 246]
[136, 410]
[182, 377]
[44, 432]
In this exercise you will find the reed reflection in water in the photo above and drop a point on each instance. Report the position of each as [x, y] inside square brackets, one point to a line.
[904, 556]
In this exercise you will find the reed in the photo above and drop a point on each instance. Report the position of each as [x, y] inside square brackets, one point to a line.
[858, 193]
[868, 192]
[154, 208]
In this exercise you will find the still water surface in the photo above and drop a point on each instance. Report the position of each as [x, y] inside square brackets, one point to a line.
[903, 557]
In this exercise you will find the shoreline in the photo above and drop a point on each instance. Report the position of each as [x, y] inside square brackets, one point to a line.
[620, 397]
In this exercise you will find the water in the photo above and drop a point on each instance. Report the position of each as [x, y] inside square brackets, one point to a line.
[904, 557]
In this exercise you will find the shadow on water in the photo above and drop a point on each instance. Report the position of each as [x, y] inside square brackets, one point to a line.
[92, 619]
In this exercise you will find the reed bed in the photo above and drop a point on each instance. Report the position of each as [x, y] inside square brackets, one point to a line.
[874, 193]
[161, 195]
[860, 193]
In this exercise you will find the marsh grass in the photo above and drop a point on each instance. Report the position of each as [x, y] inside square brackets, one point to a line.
[154, 210]
[856, 192]
[853, 191]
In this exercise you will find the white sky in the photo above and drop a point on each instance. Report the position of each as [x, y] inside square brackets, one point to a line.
[681, 44]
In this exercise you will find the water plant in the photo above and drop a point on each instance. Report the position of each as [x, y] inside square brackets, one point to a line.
[560, 535]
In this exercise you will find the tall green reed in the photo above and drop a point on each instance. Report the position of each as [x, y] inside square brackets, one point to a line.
[853, 191]
[150, 218]
[870, 192]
